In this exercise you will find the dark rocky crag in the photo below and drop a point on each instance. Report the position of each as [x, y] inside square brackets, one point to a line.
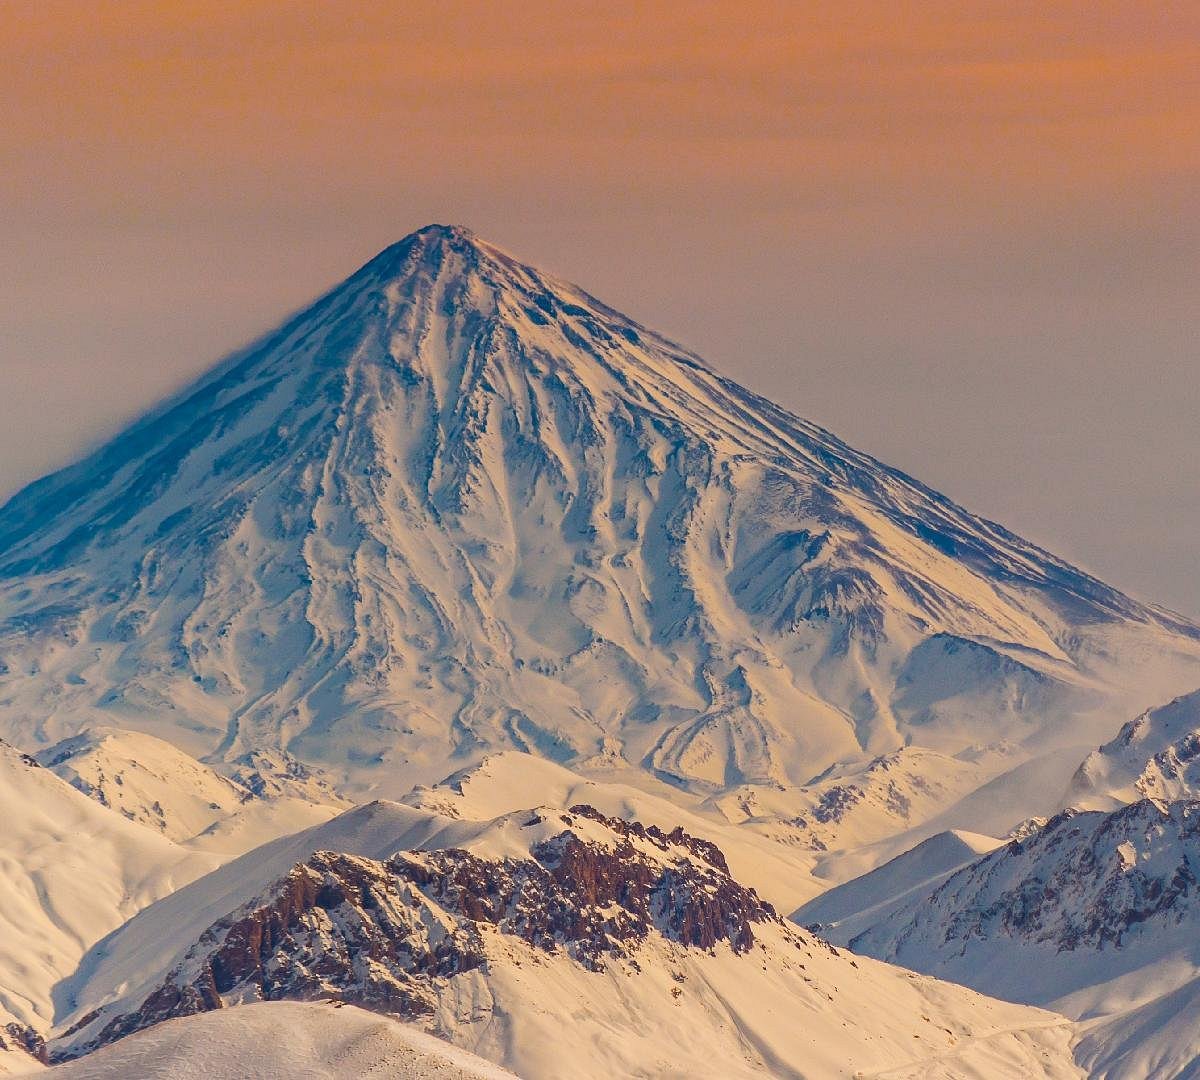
[15, 1036]
[386, 935]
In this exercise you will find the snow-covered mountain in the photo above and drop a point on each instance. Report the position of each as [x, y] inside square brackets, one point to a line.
[145, 780]
[458, 505]
[151, 782]
[282, 1039]
[857, 802]
[847, 910]
[789, 844]
[1095, 914]
[683, 655]
[70, 873]
[1154, 756]
[502, 783]
[558, 943]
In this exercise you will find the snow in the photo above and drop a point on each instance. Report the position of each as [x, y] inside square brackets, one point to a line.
[771, 838]
[459, 518]
[502, 783]
[790, 1006]
[14, 1058]
[784, 1010]
[71, 872]
[459, 506]
[128, 962]
[847, 910]
[1159, 1040]
[282, 1040]
[145, 779]
[1156, 755]
[858, 802]
[1092, 915]
[157, 785]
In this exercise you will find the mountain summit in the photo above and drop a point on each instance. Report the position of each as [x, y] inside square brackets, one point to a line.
[459, 505]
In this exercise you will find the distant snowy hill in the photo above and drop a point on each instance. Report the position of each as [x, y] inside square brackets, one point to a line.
[283, 1040]
[151, 782]
[558, 943]
[1096, 915]
[1155, 756]
[145, 780]
[458, 505]
[70, 873]
[847, 910]
[861, 801]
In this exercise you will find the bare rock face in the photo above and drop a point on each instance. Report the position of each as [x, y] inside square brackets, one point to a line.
[1083, 882]
[16, 1036]
[592, 901]
[387, 935]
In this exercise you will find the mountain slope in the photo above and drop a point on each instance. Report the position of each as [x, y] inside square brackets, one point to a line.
[70, 872]
[1154, 756]
[1158, 1040]
[1095, 915]
[21, 1047]
[151, 782]
[502, 783]
[1115, 885]
[458, 505]
[559, 943]
[145, 780]
[786, 844]
[282, 1039]
[860, 801]
[848, 909]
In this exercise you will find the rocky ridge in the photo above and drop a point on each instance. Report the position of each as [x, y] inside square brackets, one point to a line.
[1154, 756]
[385, 934]
[1084, 881]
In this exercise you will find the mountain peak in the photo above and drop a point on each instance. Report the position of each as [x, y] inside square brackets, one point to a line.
[432, 514]
[445, 232]
[438, 237]
[429, 247]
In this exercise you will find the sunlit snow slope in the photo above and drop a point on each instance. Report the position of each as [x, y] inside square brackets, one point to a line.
[70, 873]
[155, 784]
[1155, 756]
[282, 1040]
[561, 944]
[458, 505]
[1093, 914]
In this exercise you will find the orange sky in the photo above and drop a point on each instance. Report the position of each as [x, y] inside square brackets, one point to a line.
[963, 234]
[162, 100]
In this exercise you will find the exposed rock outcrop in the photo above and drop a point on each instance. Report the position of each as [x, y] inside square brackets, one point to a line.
[386, 935]
[20, 1037]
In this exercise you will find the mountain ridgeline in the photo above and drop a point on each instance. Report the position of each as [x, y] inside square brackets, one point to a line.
[458, 505]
